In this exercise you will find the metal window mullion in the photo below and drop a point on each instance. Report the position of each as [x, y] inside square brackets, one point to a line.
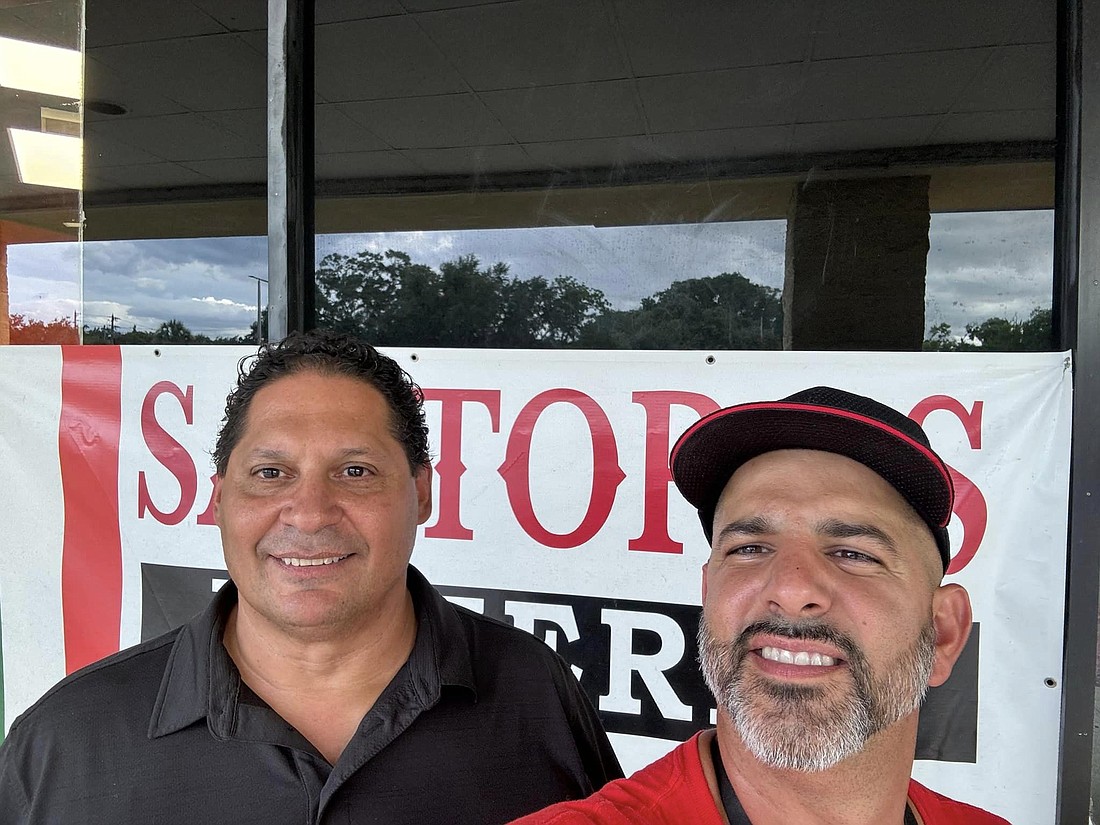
[1077, 319]
[290, 183]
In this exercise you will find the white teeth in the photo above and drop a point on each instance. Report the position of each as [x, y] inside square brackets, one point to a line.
[778, 654]
[289, 562]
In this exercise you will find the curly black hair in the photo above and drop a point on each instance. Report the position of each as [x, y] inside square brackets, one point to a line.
[327, 353]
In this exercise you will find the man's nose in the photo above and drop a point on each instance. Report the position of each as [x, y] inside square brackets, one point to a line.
[312, 505]
[799, 584]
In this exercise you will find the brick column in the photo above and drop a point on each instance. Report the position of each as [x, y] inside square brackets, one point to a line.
[857, 253]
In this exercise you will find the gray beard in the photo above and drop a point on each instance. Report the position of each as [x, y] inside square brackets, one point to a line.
[806, 727]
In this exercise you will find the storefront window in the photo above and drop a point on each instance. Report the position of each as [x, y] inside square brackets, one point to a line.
[41, 171]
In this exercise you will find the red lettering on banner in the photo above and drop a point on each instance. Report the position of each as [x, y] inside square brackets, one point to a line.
[450, 467]
[658, 476]
[970, 504]
[606, 473]
[88, 443]
[169, 452]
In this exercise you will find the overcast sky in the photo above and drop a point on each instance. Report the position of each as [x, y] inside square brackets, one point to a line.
[979, 265]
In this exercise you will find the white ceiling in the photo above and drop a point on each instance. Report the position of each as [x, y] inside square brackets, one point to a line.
[415, 88]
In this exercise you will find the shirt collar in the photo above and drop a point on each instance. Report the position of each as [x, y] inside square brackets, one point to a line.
[200, 680]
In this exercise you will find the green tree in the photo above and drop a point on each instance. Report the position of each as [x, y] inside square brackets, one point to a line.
[174, 332]
[726, 311]
[390, 300]
[996, 334]
[24, 330]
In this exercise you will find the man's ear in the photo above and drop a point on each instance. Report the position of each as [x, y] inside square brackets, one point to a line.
[217, 498]
[952, 618]
[423, 482]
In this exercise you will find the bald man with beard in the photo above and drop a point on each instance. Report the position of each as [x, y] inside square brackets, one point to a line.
[825, 621]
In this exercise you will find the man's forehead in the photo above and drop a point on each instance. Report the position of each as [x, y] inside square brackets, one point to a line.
[821, 480]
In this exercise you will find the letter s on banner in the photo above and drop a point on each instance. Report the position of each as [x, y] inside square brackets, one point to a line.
[970, 504]
[168, 452]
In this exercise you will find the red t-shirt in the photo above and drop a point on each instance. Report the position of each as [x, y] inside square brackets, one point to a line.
[673, 790]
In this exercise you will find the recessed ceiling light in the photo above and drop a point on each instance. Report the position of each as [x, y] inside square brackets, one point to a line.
[47, 160]
[34, 67]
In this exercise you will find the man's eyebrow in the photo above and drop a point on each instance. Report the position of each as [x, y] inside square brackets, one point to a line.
[752, 526]
[837, 529]
[275, 454]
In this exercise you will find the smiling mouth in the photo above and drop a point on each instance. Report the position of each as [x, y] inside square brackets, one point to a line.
[799, 657]
[293, 562]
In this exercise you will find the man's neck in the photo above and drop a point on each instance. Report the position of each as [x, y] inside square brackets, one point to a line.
[321, 683]
[870, 788]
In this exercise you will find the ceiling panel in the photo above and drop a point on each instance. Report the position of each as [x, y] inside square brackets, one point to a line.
[856, 135]
[134, 91]
[874, 27]
[720, 144]
[527, 43]
[888, 86]
[335, 132]
[438, 121]
[336, 11]
[672, 38]
[145, 176]
[110, 24]
[1031, 124]
[200, 73]
[473, 160]
[469, 87]
[353, 165]
[1014, 77]
[232, 15]
[52, 23]
[732, 98]
[101, 150]
[587, 110]
[181, 138]
[593, 153]
[381, 58]
[234, 170]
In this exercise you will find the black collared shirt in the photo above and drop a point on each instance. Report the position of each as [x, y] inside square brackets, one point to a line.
[483, 723]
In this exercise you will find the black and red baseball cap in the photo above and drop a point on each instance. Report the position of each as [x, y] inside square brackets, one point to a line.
[821, 418]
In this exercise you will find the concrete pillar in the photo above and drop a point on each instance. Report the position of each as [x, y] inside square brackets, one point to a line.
[857, 253]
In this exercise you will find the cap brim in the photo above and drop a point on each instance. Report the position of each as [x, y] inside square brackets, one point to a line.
[709, 452]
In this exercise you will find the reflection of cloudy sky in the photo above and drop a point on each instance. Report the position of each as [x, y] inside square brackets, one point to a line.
[979, 265]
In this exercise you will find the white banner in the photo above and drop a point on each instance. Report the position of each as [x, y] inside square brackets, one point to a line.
[554, 510]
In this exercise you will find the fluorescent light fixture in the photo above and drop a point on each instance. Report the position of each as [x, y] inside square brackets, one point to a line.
[47, 160]
[33, 67]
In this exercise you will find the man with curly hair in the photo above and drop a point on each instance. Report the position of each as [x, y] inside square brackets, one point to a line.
[327, 681]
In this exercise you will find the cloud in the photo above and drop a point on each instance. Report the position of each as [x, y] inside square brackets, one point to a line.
[987, 264]
[979, 265]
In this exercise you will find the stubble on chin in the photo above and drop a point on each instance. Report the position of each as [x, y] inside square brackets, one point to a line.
[810, 727]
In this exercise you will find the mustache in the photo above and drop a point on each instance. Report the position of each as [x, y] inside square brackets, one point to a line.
[805, 630]
[326, 539]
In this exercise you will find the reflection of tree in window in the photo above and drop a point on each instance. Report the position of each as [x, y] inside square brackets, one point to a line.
[393, 301]
[996, 335]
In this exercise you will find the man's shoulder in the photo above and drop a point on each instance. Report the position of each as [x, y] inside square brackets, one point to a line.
[937, 809]
[671, 789]
[105, 684]
[496, 644]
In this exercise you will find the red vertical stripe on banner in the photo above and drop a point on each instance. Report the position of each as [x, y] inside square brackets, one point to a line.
[91, 562]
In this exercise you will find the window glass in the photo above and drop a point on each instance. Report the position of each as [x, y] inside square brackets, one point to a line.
[865, 143]
[173, 166]
[41, 67]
